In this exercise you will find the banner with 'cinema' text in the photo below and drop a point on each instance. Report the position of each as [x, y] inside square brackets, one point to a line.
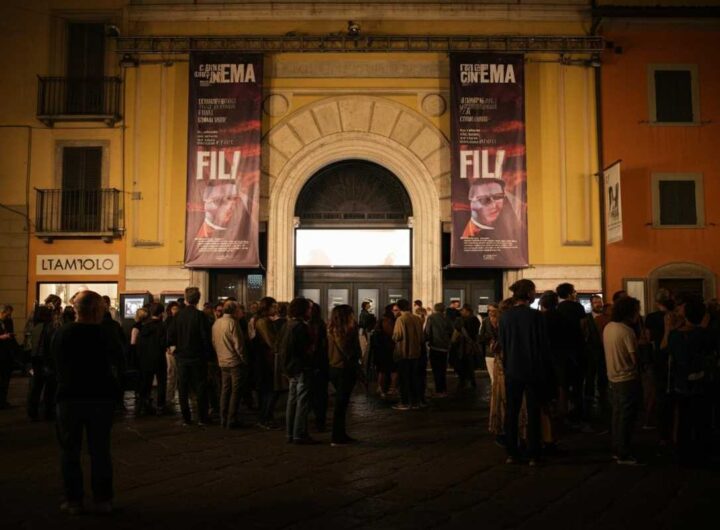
[488, 188]
[223, 177]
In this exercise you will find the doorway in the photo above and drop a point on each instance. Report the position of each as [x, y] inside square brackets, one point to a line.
[352, 243]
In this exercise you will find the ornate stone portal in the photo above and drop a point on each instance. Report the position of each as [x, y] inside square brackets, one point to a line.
[356, 127]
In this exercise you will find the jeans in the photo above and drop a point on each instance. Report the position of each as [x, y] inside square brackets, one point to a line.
[439, 364]
[234, 382]
[214, 384]
[172, 378]
[663, 402]
[298, 406]
[626, 401]
[6, 368]
[268, 399]
[192, 375]
[343, 379]
[409, 381]
[95, 418]
[42, 384]
[514, 397]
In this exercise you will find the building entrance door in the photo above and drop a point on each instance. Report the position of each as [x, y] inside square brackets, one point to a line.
[333, 287]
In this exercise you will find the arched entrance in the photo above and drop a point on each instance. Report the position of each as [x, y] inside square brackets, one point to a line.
[352, 241]
[360, 128]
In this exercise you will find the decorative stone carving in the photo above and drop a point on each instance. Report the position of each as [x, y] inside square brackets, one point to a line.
[433, 105]
[276, 105]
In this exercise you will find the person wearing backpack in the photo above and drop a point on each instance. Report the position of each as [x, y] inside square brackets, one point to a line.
[42, 382]
[295, 351]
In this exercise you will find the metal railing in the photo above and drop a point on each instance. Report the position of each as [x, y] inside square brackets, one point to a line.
[78, 212]
[75, 98]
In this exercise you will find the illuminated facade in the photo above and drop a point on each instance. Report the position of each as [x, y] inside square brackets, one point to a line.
[375, 91]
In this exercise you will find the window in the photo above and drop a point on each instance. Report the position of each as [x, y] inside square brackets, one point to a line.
[673, 94]
[677, 200]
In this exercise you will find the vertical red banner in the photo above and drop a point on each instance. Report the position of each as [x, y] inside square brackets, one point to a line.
[223, 178]
[489, 193]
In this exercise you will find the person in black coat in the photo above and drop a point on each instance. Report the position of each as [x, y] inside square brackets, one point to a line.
[42, 381]
[525, 361]
[151, 347]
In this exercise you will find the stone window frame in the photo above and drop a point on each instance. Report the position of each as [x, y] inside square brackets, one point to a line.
[60, 145]
[699, 198]
[694, 93]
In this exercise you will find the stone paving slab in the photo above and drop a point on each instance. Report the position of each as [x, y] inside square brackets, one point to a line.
[434, 469]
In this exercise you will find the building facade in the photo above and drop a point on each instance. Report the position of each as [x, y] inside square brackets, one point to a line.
[660, 87]
[96, 140]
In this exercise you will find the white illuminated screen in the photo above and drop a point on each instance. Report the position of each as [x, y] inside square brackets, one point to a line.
[352, 248]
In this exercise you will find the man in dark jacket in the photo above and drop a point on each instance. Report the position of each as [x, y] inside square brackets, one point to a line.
[42, 382]
[87, 360]
[151, 347]
[525, 360]
[466, 345]
[574, 321]
[295, 351]
[438, 332]
[190, 333]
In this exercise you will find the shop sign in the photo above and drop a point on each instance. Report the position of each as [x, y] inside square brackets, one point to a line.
[77, 265]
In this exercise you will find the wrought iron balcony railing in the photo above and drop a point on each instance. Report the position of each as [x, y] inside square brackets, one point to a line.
[78, 99]
[78, 213]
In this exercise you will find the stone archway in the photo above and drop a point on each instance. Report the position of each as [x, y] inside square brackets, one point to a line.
[366, 128]
[680, 270]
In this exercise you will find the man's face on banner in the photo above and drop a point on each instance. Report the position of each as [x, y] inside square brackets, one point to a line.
[220, 202]
[486, 202]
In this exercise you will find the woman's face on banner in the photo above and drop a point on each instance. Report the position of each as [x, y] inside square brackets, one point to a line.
[486, 202]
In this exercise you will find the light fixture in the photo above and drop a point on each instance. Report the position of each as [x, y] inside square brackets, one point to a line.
[128, 61]
[353, 28]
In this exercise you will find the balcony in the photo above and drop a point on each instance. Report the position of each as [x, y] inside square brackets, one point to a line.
[78, 99]
[71, 213]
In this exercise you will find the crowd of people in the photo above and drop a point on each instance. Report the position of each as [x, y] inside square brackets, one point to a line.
[552, 370]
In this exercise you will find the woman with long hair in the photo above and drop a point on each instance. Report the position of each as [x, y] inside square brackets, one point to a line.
[382, 347]
[344, 356]
[264, 346]
[319, 393]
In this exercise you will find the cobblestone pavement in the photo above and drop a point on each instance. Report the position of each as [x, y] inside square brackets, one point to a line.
[435, 468]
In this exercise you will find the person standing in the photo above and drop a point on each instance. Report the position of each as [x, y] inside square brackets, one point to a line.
[574, 318]
[7, 351]
[295, 349]
[438, 332]
[171, 310]
[344, 355]
[87, 358]
[383, 347]
[465, 338]
[621, 356]
[408, 338]
[229, 343]
[321, 363]
[264, 347]
[151, 347]
[526, 366]
[488, 338]
[655, 328]
[43, 379]
[190, 333]
[689, 347]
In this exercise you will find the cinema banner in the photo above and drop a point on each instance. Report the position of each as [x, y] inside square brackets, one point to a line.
[613, 204]
[489, 197]
[223, 177]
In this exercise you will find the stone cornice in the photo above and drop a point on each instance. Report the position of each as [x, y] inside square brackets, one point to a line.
[568, 11]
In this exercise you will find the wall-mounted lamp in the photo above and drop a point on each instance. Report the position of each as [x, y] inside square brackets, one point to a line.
[353, 28]
[128, 61]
